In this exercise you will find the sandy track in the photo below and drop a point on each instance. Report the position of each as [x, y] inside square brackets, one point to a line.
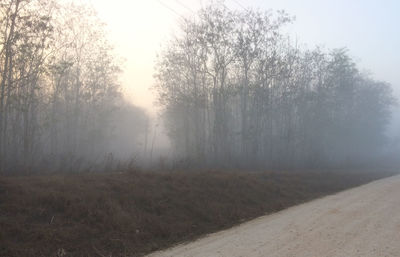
[363, 221]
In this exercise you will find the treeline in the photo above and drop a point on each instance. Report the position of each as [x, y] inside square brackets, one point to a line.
[60, 99]
[237, 92]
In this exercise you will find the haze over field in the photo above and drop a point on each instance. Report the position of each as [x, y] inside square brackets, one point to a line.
[127, 127]
[366, 28]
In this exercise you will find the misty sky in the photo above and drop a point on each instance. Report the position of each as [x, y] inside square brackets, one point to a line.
[368, 28]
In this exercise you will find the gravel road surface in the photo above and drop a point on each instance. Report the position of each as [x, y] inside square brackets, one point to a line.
[363, 221]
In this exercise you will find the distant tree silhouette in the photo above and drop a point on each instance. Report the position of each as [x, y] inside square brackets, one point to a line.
[235, 91]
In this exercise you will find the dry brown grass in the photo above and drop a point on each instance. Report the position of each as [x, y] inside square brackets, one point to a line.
[131, 214]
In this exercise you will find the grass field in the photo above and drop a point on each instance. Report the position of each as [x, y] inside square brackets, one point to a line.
[131, 214]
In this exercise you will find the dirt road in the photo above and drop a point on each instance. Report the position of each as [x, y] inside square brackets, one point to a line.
[363, 221]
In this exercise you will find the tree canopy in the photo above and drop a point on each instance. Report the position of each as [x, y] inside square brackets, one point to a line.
[236, 91]
[59, 91]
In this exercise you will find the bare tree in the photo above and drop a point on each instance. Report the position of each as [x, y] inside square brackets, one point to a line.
[237, 91]
[59, 90]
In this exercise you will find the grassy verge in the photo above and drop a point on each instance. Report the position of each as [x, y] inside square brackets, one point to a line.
[132, 214]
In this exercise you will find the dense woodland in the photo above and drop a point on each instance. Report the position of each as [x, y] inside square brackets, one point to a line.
[236, 91]
[60, 100]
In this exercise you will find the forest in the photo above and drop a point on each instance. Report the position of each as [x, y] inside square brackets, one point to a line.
[234, 91]
[237, 92]
[247, 121]
[61, 103]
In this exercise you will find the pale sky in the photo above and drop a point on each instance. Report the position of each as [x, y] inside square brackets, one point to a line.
[368, 28]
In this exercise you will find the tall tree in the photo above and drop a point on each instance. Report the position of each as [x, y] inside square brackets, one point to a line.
[236, 91]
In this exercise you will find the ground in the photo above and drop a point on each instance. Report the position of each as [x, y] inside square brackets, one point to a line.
[361, 222]
[135, 213]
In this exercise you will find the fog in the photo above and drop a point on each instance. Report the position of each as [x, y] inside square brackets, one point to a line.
[232, 88]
